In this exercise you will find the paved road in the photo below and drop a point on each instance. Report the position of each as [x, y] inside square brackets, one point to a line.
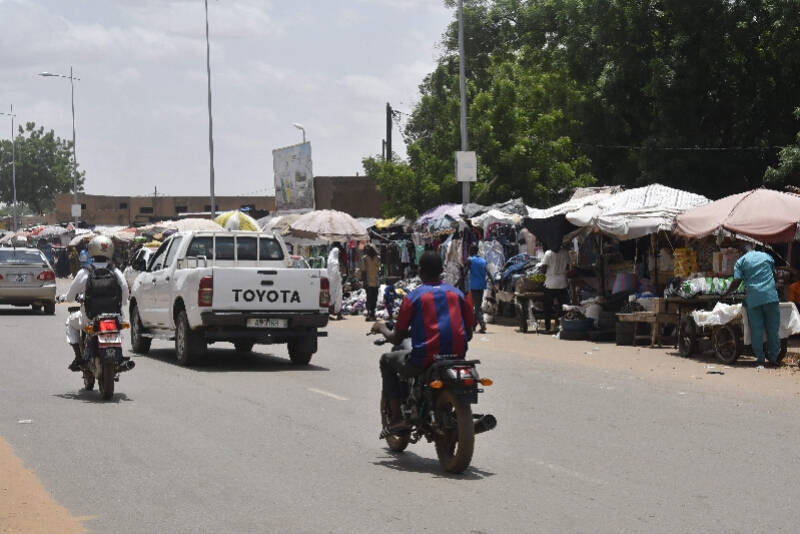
[251, 444]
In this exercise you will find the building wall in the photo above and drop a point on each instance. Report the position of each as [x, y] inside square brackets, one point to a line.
[122, 210]
[356, 195]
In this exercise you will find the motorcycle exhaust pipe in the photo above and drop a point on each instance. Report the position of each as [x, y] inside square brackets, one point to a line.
[485, 423]
[126, 366]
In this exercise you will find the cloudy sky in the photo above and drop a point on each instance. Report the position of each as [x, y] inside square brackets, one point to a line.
[140, 105]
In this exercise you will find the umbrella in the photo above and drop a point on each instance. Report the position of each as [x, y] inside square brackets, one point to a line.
[236, 220]
[328, 225]
[51, 231]
[762, 214]
[80, 238]
[278, 223]
[180, 225]
[445, 210]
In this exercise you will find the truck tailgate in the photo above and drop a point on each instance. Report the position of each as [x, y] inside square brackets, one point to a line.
[266, 289]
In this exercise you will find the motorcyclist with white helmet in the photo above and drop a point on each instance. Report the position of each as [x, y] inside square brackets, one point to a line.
[101, 252]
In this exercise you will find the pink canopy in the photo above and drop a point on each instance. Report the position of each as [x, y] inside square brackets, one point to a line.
[763, 214]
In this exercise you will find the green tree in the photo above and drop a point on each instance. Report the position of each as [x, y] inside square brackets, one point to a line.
[405, 192]
[44, 168]
[691, 94]
[788, 170]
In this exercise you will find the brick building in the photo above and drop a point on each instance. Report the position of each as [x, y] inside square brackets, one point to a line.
[123, 210]
[356, 195]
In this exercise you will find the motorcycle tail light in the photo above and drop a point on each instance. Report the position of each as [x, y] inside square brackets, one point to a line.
[108, 325]
[324, 292]
[46, 276]
[469, 381]
[205, 293]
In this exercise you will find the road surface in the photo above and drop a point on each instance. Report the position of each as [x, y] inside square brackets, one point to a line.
[585, 442]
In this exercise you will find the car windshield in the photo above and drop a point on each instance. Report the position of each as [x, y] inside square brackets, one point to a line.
[20, 256]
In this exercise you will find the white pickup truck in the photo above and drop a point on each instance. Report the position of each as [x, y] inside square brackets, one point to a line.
[205, 287]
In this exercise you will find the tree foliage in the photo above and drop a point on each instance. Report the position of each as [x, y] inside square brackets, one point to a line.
[788, 170]
[44, 168]
[698, 95]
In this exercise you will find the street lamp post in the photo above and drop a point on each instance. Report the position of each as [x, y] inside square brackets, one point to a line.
[13, 168]
[210, 122]
[463, 90]
[72, 80]
[302, 129]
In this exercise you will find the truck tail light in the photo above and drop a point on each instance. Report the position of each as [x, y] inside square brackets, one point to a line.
[324, 292]
[46, 276]
[205, 294]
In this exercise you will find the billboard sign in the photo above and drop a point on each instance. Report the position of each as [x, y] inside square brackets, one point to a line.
[294, 177]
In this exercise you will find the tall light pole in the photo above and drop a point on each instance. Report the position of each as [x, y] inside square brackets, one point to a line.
[463, 90]
[210, 122]
[302, 129]
[72, 80]
[13, 168]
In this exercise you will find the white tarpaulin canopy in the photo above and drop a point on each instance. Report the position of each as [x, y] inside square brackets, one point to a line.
[636, 212]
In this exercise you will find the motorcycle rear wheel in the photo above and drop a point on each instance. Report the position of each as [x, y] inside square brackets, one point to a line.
[107, 380]
[395, 443]
[454, 417]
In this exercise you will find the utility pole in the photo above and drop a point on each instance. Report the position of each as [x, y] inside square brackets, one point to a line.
[13, 168]
[388, 132]
[383, 149]
[463, 91]
[210, 122]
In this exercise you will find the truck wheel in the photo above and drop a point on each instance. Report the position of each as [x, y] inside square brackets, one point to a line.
[50, 308]
[189, 344]
[139, 343]
[300, 351]
[244, 345]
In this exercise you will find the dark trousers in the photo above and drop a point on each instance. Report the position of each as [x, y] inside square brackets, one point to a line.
[550, 295]
[393, 364]
[372, 300]
[477, 301]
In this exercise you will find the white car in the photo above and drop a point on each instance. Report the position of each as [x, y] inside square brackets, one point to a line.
[27, 279]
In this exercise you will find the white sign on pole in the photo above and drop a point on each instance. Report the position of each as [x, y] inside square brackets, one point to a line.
[466, 167]
[76, 210]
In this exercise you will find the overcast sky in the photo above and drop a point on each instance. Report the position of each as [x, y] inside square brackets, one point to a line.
[140, 105]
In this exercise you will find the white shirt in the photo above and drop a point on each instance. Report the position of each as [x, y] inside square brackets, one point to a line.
[79, 285]
[557, 264]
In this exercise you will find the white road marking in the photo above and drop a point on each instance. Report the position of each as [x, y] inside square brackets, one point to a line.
[328, 394]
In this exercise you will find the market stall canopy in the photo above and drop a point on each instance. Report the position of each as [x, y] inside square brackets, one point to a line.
[445, 210]
[46, 232]
[638, 212]
[237, 220]
[81, 238]
[328, 225]
[181, 225]
[278, 223]
[496, 216]
[762, 214]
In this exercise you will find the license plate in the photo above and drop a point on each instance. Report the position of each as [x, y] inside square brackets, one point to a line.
[267, 323]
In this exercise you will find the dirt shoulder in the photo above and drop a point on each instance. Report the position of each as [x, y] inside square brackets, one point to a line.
[25, 505]
[702, 372]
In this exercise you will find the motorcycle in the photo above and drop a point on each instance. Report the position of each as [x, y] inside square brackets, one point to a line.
[436, 405]
[101, 351]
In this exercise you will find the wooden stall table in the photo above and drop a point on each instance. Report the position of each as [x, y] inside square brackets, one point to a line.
[656, 321]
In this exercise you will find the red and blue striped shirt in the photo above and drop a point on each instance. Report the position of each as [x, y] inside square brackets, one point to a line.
[439, 317]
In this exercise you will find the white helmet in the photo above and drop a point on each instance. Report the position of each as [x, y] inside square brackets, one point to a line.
[101, 246]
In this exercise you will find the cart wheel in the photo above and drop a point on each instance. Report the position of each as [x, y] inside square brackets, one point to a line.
[687, 343]
[726, 344]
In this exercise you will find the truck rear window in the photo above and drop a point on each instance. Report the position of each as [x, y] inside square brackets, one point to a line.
[247, 248]
[270, 249]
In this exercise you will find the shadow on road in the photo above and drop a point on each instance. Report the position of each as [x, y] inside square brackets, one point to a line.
[93, 397]
[708, 357]
[224, 361]
[412, 463]
[26, 310]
